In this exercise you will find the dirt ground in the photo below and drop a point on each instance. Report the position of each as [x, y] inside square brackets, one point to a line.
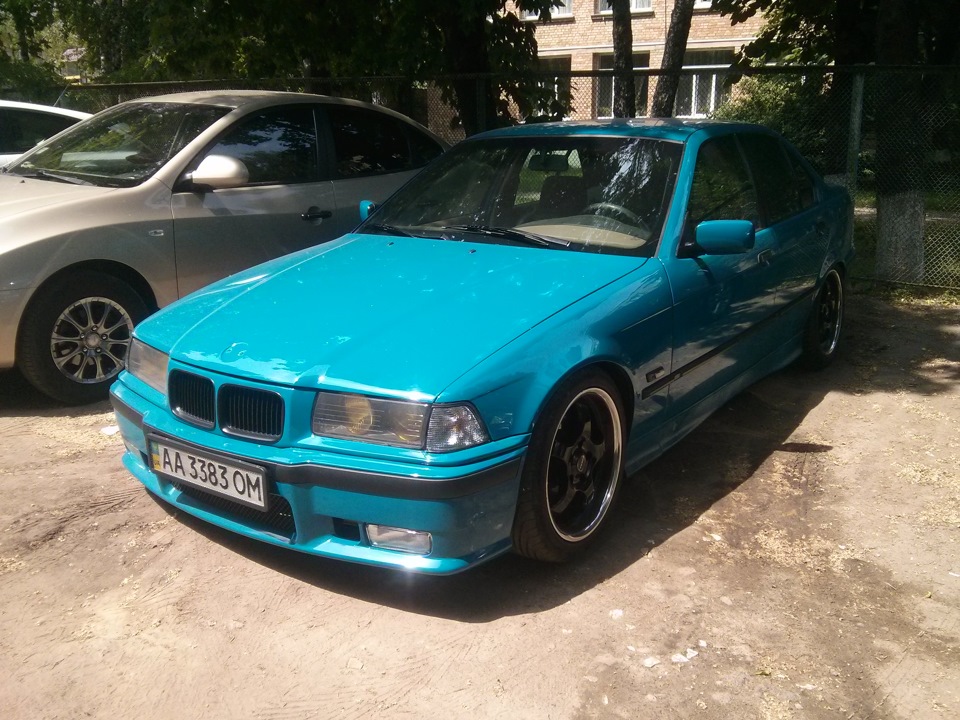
[798, 556]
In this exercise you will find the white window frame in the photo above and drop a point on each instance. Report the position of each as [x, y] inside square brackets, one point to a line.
[564, 11]
[636, 6]
[708, 72]
[703, 73]
[703, 4]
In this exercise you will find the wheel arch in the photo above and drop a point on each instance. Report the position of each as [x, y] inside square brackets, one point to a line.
[616, 374]
[115, 269]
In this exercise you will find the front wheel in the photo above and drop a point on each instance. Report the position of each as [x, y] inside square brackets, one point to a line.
[573, 469]
[821, 338]
[74, 336]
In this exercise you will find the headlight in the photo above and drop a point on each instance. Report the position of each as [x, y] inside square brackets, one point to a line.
[396, 422]
[149, 365]
[357, 417]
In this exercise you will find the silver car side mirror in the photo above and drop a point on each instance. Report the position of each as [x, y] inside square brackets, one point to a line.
[218, 172]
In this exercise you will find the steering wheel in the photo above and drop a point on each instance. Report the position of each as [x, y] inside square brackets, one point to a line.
[618, 212]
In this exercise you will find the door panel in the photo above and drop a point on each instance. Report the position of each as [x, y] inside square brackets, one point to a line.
[721, 302]
[223, 231]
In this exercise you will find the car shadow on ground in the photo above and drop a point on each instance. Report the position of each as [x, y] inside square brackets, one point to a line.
[18, 398]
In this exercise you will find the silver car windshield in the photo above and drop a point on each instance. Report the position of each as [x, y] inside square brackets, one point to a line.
[121, 147]
[582, 192]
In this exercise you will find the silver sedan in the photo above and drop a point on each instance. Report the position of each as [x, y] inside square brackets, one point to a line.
[154, 198]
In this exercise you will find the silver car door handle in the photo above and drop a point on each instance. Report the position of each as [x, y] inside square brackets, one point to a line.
[315, 213]
[765, 257]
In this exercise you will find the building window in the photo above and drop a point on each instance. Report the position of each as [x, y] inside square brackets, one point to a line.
[605, 85]
[703, 92]
[703, 4]
[564, 10]
[603, 6]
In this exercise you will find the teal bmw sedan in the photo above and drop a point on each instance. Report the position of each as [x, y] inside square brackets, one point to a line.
[479, 365]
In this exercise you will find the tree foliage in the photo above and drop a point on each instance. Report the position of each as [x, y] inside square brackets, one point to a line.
[885, 32]
[847, 32]
[130, 40]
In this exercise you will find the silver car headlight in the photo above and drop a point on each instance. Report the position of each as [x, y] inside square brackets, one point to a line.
[149, 365]
[442, 428]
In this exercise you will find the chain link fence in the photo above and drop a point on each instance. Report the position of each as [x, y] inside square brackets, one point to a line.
[890, 136]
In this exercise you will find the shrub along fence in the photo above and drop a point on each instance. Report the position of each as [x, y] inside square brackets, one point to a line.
[890, 135]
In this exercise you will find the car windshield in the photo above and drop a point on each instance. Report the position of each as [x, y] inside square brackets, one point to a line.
[589, 193]
[121, 147]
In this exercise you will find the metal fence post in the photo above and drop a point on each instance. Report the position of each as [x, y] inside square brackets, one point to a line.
[853, 133]
[481, 105]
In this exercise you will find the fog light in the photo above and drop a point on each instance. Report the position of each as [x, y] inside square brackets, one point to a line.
[392, 538]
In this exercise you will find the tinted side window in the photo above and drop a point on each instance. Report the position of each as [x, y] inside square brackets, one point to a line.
[277, 146]
[805, 185]
[722, 189]
[423, 148]
[367, 142]
[20, 130]
[776, 183]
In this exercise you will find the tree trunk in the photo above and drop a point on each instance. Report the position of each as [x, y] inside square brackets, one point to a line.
[466, 37]
[901, 143]
[624, 94]
[900, 256]
[674, 47]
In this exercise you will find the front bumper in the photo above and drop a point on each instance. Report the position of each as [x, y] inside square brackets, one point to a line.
[322, 509]
[12, 303]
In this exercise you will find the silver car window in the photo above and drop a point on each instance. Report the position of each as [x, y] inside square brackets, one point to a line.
[122, 146]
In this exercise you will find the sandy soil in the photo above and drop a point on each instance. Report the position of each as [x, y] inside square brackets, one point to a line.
[798, 556]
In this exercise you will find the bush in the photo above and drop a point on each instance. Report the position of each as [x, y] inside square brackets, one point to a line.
[800, 108]
[29, 82]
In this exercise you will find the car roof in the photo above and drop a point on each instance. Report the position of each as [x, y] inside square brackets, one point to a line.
[257, 99]
[675, 129]
[13, 104]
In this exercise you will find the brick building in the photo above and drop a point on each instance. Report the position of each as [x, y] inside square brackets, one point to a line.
[579, 36]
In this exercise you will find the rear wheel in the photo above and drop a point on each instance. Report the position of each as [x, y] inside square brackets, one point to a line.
[75, 334]
[825, 326]
[573, 470]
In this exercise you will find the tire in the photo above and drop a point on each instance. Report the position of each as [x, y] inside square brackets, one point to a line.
[74, 336]
[821, 339]
[573, 469]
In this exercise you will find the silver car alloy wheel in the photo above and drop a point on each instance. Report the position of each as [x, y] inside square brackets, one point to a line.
[90, 339]
[584, 465]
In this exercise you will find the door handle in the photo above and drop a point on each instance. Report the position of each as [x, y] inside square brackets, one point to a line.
[315, 213]
[765, 257]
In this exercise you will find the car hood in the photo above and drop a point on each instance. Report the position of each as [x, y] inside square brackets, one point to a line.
[396, 316]
[20, 195]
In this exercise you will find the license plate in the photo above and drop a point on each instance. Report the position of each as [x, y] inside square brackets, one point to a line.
[237, 481]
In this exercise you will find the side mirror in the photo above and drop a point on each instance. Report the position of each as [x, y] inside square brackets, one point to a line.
[218, 172]
[367, 208]
[725, 237]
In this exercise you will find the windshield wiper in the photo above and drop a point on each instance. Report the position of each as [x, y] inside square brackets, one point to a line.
[47, 175]
[392, 229]
[511, 234]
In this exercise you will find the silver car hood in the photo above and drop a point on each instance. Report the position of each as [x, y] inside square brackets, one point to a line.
[20, 195]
